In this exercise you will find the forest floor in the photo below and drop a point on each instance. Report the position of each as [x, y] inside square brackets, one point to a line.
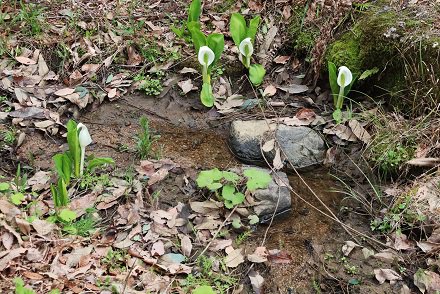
[142, 224]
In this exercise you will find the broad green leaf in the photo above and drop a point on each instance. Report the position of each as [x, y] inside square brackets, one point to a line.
[231, 196]
[214, 186]
[179, 32]
[67, 215]
[368, 73]
[228, 204]
[237, 28]
[228, 192]
[207, 177]
[256, 74]
[206, 95]
[203, 290]
[217, 44]
[333, 77]
[253, 28]
[197, 36]
[231, 177]
[4, 187]
[74, 148]
[98, 162]
[257, 179]
[253, 219]
[194, 11]
[17, 198]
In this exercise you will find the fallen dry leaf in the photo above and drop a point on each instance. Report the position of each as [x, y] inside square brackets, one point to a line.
[43, 227]
[25, 60]
[186, 85]
[269, 91]
[260, 255]
[257, 282]
[359, 131]
[64, 92]
[294, 89]
[282, 59]
[427, 281]
[234, 258]
[186, 244]
[305, 114]
[383, 275]
[348, 247]
[279, 256]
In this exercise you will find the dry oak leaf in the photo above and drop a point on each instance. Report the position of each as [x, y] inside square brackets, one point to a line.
[234, 258]
[383, 275]
[25, 60]
[260, 255]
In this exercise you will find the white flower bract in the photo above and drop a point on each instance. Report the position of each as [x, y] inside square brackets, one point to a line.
[206, 54]
[246, 43]
[344, 77]
[83, 136]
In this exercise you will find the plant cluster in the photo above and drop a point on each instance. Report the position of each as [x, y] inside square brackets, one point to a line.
[150, 85]
[210, 48]
[229, 187]
[70, 164]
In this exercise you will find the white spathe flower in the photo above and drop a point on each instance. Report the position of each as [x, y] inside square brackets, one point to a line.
[344, 77]
[84, 136]
[206, 56]
[84, 140]
[246, 47]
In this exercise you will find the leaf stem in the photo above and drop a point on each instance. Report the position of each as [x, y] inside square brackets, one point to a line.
[83, 152]
[340, 98]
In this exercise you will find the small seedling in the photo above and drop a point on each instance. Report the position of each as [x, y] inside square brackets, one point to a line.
[145, 139]
[151, 86]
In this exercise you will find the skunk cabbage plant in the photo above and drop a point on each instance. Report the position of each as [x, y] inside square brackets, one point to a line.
[244, 38]
[209, 49]
[341, 82]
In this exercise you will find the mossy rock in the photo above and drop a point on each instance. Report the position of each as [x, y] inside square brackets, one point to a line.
[400, 45]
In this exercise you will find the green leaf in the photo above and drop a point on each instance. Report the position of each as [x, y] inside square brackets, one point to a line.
[67, 215]
[257, 179]
[197, 36]
[231, 177]
[74, 148]
[206, 95]
[217, 44]
[63, 166]
[179, 32]
[231, 196]
[337, 116]
[236, 223]
[237, 28]
[17, 198]
[194, 11]
[228, 192]
[368, 73]
[354, 281]
[62, 194]
[348, 88]
[256, 74]
[203, 290]
[98, 162]
[253, 219]
[208, 177]
[4, 187]
[333, 80]
[253, 28]
[55, 197]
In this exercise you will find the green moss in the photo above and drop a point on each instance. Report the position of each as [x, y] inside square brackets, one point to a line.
[346, 51]
[301, 34]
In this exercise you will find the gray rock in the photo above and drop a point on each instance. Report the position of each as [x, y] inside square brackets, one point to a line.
[245, 137]
[302, 146]
[267, 199]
